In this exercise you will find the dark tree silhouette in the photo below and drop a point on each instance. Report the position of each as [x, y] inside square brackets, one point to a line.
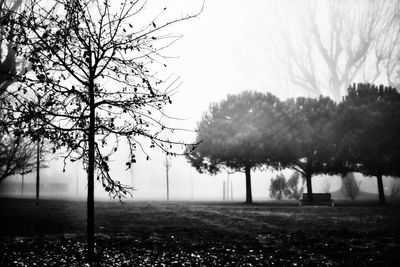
[350, 187]
[309, 144]
[295, 186]
[368, 128]
[16, 156]
[278, 188]
[238, 133]
[94, 83]
[16, 153]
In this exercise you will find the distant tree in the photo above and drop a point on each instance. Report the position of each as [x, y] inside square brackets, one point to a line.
[308, 146]
[278, 188]
[350, 187]
[368, 128]
[94, 80]
[238, 133]
[394, 188]
[295, 186]
[324, 46]
[16, 156]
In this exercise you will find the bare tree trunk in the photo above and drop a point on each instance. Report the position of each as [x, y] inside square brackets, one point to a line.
[91, 168]
[309, 188]
[382, 200]
[249, 198]
[37, 172]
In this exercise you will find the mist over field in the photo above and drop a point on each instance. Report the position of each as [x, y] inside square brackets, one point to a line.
[199, 133]
[214, 57]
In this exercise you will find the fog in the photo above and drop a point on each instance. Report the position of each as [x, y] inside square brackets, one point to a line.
[225, 50]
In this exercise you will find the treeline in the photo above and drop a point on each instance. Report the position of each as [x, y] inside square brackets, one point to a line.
[312, 136]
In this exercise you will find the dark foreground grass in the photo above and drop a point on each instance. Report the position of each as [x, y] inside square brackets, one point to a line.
[196, 234]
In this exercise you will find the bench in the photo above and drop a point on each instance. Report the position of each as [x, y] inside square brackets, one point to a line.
[319, 199]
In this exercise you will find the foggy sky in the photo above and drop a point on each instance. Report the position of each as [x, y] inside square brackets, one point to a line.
[223, 51]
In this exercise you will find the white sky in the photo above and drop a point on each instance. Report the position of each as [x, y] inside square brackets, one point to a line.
[223, 51]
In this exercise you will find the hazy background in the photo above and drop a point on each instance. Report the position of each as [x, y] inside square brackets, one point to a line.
[225, 50]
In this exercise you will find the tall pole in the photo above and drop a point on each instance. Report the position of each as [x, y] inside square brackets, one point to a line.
[223, 190]
[167, 167]
[191, 182]
[37, 172]
[77, 180]
[22, 184]
[227, 187]
[231, 190]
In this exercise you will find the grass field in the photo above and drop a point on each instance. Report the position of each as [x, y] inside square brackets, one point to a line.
[200, 233]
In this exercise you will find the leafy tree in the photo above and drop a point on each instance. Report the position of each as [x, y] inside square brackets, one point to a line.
[94, 83]
[239, 133]
[278, 188]
[282, 188]
[309, 142]
[368, 128]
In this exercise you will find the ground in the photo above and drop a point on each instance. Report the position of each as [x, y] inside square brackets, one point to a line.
[200, 234]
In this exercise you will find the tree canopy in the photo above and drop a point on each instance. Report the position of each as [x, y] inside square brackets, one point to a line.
[312, 136]
[238, 133]
[368, 128]
[16, 153]
[92, 84]
[309, 146]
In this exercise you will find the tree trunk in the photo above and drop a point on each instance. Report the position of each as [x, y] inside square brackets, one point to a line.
[37, 172]
[382, 200]
[309, 188]
[249, 198]
[91, 167]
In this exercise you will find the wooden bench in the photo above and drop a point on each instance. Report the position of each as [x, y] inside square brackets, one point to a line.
[319, 199]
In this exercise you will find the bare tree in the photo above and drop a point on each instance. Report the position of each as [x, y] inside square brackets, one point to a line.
[94, 83]
[16, 156]
[324, 46]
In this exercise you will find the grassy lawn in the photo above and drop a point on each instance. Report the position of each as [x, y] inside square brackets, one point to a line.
[200, 233]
